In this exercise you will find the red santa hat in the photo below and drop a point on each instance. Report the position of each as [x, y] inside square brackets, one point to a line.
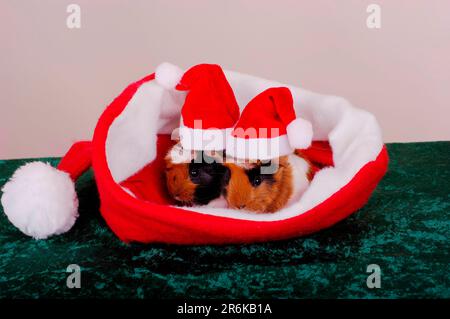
[210, 110]
[269, 128]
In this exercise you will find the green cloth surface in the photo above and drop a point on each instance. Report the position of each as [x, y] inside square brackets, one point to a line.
[404, 229]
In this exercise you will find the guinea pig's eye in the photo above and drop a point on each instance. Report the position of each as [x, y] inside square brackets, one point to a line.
[256, 180]
[193, 172]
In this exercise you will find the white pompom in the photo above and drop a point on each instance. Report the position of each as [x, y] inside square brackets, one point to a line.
[168, 75]
[300, 133]
[40, 200]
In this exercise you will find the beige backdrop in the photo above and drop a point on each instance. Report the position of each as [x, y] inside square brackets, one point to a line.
[55, 81]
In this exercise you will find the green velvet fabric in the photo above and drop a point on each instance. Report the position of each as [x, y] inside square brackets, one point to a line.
[404, 229]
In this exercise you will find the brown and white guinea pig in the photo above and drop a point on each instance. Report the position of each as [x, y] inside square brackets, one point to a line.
[196, 177]
[266, 187]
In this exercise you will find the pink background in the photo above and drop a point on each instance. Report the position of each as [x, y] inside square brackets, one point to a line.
[56, 81]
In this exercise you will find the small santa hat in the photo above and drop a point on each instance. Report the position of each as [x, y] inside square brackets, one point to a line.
[40, 200]
[269, 128]
[210, 109]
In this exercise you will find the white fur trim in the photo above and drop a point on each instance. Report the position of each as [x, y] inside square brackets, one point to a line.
[168, 75]
[40, 200]
[300, 133]
[258, 148]
[203, 139]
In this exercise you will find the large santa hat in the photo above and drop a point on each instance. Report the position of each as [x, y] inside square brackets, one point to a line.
[269, 128]
[210, 109]
[128, 149]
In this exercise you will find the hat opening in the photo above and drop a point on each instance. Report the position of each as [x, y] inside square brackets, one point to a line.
[140, 136]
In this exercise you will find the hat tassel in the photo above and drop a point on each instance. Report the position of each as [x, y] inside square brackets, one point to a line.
[40, 200]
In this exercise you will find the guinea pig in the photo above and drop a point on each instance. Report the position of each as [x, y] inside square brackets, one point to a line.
[266, 187]
[196, 177]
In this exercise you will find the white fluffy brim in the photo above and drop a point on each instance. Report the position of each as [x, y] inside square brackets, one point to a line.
[40, 200]
[258, 148]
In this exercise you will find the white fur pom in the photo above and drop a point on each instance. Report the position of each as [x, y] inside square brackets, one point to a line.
[40, 200]
[168, 75]
[300, 133]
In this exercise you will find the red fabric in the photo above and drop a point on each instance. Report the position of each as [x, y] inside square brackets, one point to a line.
[132, 219]
[210, 98]
[319, 154]
[77, 160]
[267, 115]
[149, 184]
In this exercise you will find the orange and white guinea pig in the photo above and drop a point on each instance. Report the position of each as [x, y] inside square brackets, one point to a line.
[196, 177]
[266, 187]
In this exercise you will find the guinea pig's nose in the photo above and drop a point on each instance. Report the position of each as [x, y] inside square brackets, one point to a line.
[241, 206]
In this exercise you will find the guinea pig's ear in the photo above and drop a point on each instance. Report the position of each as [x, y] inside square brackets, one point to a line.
[178, 155]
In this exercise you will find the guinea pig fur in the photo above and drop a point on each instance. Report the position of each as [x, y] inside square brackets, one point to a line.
[195, 177]
[253, 189]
